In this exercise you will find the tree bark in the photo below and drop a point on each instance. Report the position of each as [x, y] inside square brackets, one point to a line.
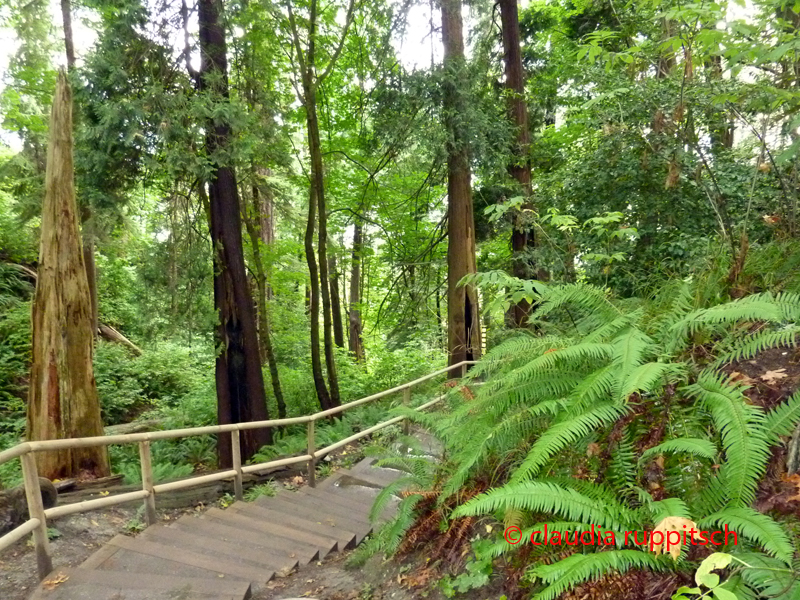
[86, 211]
[336, 303]
[356, 343]
[257, 237]
[62, 397]
[522, 235]
[463, 324]
[312, 303]
[241, 395]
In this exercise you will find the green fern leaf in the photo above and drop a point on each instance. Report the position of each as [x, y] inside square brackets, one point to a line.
[756, 527]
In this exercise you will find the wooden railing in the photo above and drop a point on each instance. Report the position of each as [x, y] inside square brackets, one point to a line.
[37, 522]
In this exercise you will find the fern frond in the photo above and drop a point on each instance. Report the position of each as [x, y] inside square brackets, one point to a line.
[769, 576]
[578, 568]
[645, 378]
[535, 496]
[743, 436]
[782, 419]
[756, 527]
[668, 507]
[755, 344]
[563, 433]
[694, 446]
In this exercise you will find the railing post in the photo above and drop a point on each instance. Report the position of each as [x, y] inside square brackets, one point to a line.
[147, 482]
[312, 463]
[463, 369]
[33, 493]
[406, 402]
[236, 451]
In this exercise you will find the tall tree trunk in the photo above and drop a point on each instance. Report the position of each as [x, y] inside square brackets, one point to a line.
[240, 384]
[312, 303]
[257, 236]
[463, 324]
[62, 397]
[318, 185]
[336, 304]
[522, 235]
[86, 211]
[356, 343]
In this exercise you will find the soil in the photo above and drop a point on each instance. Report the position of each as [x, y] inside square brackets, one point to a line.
[377, 580]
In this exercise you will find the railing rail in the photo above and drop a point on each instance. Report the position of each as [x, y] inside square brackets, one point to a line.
[37, 522]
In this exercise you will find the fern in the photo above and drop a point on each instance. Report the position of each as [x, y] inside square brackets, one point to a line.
[565, 432]
[783, 419]
[694, 446]
[579, 568]
[743, 436]
[756, 527]
[769, 577]
[536, 496]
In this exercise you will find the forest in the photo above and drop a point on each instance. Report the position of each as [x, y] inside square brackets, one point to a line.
[218, 211]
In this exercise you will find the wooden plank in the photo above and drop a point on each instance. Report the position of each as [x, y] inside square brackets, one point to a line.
[344, 539]
[131, 561]
[94, 591]
[360, 526]
[157, 584]
[353, 497]
[234, 535]
[280, 536]
[215, 566]
[211, 546]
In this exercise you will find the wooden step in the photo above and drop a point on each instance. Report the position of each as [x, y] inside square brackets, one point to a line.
[91, 584]
[257, 543]
[355, 497]
[345, 539]
[353, 511]
[210, 546]
[278, 535]
[313, 511]
[217, 566]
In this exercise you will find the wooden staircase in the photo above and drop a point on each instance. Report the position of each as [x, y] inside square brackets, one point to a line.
[225, 554]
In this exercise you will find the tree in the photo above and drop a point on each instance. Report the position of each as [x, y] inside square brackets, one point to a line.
[463, 324]
[522, 235]
[355, 342]
[310, 82]
[62, 398]
[240, 383]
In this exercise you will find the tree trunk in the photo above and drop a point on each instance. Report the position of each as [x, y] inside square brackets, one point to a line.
[257, 237]
[522, 235]
[336, 304]
[86, 212]
[463, 324]
[240, 384]
[62, 397]
[356, 343]
[312, 303]
[318, 185]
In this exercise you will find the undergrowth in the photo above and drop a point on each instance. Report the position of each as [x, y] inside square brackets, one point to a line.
[614, 414]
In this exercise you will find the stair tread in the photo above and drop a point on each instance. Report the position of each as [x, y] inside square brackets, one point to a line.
[255, 541]
[279, 536]
[343, 538]
[215, 566]
[354, 512]
[360, 527]
[210, 546]
[79, 581]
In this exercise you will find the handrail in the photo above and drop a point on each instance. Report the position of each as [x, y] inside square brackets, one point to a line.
[37, 524]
